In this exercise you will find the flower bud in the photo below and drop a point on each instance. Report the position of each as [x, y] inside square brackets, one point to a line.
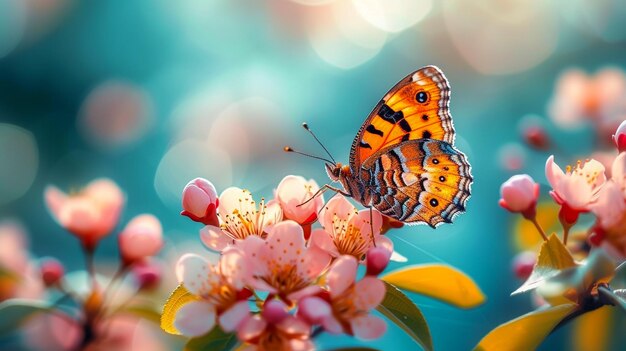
[200, 202]
[519, 194]
[536, 137]
[147, 275]
[523, 264]
[295, 196]
[274, 311]
[377, 259]
[142, 237]
[619, 138]
[51, 271]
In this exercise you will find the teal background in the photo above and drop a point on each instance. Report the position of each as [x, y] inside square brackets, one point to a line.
[244, 49]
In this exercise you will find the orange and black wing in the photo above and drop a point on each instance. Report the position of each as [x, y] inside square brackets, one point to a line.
[418, 181]
[415, 108]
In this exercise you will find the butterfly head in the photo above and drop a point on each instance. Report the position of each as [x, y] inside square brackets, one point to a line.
[333, 171]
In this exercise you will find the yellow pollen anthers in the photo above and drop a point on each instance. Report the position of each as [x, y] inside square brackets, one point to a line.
[348, 238]
[343, 306]
[284, 277]
[242, 223]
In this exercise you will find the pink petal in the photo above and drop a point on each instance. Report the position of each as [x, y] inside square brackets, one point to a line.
[610, 207]
[369, 292]
[368, 327]
[554, 173]
[233, 317]
[315, 262]
[332, 325]
[195, 200]
[575, 192]
[55, 200]
[235, 268]
[195, 318]
[362, 221]
[321, 239]
[618, 169]
[251, 328]
[308, 291]
[314, 309]
[214, 238]
[253, 248]
[273, 215]
[341, 274]
[234, 199]
[285, 242]
[196, 273]
[337, 207]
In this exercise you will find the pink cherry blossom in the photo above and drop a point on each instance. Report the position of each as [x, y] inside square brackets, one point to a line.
[200, 202]
[240, 217]
[89, 214]
[619, 138]
[22, 278]
[291, 194]
[519, 194]
[610, 208]
[289, 333]
[577, 188]
[347, 309]
[217, 288]
[142, 237]
[347, 231]
[599, 98]
[282, 264]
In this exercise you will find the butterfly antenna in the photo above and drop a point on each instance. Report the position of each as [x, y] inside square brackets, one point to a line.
[306, 126]
[290, 149]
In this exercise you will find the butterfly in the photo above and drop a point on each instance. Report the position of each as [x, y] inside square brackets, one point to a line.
[403, 161]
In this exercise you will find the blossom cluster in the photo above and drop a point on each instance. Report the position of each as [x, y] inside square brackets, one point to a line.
[89, 312]
[279, 281]
[586, 187]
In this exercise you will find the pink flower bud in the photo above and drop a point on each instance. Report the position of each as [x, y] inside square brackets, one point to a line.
[200, 202]
[536, 137]
[274, 311]
[147, 275]
[377, 259]
[520, 194]
[295, 196]
[51, 271]
[142, 237]
[620, 137]
[523, 264]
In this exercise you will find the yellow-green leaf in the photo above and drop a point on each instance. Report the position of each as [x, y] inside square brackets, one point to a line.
[178, 298]
[592, 330]
[526, 332]
[399, 309]
[215, 340]
[439, 282]
[553, 257]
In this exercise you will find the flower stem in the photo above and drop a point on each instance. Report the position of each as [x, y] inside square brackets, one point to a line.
[565, 233]
[89, 264]
[539, 229]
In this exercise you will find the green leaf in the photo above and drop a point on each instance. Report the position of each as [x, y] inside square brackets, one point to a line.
[215, 340]
[526, 332]
[440, 282]
[179, 297]
[14, 312]
[553, 257]
[399, 309]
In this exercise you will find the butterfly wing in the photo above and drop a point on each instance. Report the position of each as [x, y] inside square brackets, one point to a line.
[422, 180]
[415, 108]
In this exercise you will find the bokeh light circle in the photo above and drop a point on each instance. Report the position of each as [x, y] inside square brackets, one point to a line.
[115, 114]
[393, 15]
[13, 15]
[19, 161]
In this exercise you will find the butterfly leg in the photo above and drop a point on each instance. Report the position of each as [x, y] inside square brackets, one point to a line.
[322, 190]
[372, 225]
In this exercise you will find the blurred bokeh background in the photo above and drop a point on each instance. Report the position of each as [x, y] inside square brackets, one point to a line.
[153, 93]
